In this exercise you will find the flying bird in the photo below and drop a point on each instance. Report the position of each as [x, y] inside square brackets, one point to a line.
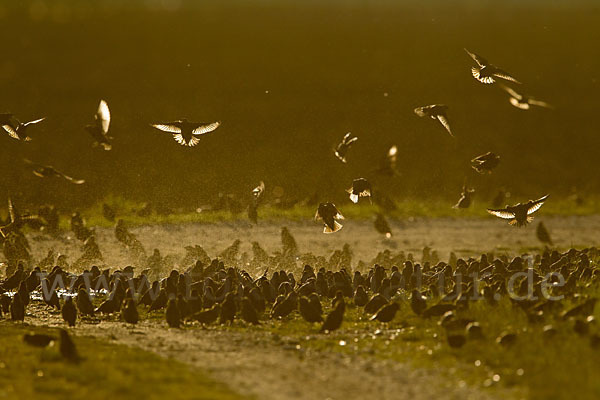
[258, 191]
[342, 148]
[466, 197]
[487, 73]
[522, 101]
[387, 167]
[485, 163]
[519, 214]
[99, 129]
[360, 188]
[186, 133]
[542, 234]
[435, 111]
[15, 128]
[329, 214]
[48, 171]
[382, 226]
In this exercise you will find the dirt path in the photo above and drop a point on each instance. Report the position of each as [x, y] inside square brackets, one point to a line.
[253, 364]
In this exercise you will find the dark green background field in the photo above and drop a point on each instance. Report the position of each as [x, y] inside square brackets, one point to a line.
[326, 68]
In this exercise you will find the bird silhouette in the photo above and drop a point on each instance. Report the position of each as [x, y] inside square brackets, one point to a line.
[329, 214]
[519, 214]
[99, 129]
[334, 319]
[69, 312]
[437, 112]
[48, 171]
[186, 133]
[382, 226]
[15, 128]
[360, 188]
[487, 73]
[485, 163]
[342, 148]
[466, 197]
[542, 234]
[522, 101]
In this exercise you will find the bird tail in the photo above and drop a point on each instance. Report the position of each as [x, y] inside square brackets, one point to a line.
[336, 227]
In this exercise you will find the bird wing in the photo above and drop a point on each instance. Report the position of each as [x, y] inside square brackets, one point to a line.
[349, 142]
[35, 121]
[103, 115]
[11, 132]
[11, 210]
[71, 179]
[206, 128]
[536, 205]
[512, 92]
[167, 127]
[482, 62]
[346, 136]
[517, 103]
[540, 103]
[444, 121]
[501, 213]
[193, 141]
[505, 75]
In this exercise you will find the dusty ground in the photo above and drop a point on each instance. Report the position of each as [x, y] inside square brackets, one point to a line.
[465, 236]
[271, 369]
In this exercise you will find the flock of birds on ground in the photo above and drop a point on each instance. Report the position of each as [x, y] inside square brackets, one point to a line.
[218, 289]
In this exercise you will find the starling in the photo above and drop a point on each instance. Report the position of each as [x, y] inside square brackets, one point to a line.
[438, 310]
[313, 298]
[129, 312]
[48, 171]
[17, 309]
[99, 129]
[69, 312]
[108, 213]
[186, 133]
[172, 314]
[437, 112]
[519, 214]
[466, 197]
[542, 234]
[160, 301]
[228, 309]
[417, 302]
[335, 318]
[258, 192]
[38, 339]
[387, 167]
[485, 163]
[329, 214]
[523, 102]
[84, 303]
[456, 340]
[67, 347]
[360, 296]
[343, 146]
[108, 306]
[386, 313]
[17, 129]
[487, 73]
[308, 312]
[285, 307]
[507, 339]
[375, 303]
[584, 309]
[209, 316]
[382, 226]
[50, 298]
[474, 330]
[248, 311]
[360, 188]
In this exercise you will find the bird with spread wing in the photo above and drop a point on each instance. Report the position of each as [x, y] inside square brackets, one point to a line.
[519, 214]
[185, 132]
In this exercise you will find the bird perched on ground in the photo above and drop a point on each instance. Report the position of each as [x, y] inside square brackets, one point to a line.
[343, 146]
[360, 188]
[67, 347]
[485, 163]
[48, 171]
[435, 111]
[542, 234]
[335, 318]
[15, 128]
[209, 316]
[185, 132]
[69, 312]
[519, 214]
[522, 101]
[382, 226]
[17, 309]
[418, 302]
[84, 303]
[329, 214]
[386, 313]
[99, 129]
[172, 315]
[248, 311]
[129, 313]
[487, 73]
[308, 311]
[466, 197]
